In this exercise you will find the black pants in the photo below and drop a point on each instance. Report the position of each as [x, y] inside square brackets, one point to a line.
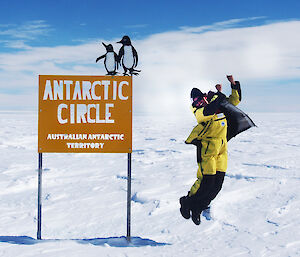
[210, 186]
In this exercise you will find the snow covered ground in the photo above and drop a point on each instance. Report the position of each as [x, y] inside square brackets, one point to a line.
[257, 212]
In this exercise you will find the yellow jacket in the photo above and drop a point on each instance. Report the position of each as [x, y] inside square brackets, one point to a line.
[212, 126]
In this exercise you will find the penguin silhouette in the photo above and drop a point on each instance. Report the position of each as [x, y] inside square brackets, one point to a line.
[128, 56]
[110, 60]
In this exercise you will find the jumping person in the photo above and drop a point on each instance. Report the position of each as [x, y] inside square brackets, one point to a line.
[212, 111]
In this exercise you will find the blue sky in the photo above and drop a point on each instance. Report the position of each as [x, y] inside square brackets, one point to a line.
[62, 37]
[71, 20]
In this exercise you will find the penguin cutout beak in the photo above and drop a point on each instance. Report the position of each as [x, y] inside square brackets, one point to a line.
[120, 42]
[104, 45]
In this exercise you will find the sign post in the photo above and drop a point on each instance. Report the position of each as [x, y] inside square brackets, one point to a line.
[84, 114]
[129, 198]
[40, 170]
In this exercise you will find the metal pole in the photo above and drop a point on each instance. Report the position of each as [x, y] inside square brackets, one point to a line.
[129, 198]
[39, 225]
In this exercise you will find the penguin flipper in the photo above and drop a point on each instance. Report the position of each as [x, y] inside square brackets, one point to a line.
[121, 53]
[100, 57]
[135, 56]
[117, 60]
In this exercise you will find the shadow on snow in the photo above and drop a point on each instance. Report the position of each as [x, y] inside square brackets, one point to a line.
[110, 241]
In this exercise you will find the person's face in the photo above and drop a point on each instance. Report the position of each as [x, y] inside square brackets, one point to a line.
[201, 101]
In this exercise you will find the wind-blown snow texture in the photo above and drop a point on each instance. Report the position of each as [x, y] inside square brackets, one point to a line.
[84, 195]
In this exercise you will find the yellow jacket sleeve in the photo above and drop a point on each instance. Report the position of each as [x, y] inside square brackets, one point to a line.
[234, 98]
[199, 115]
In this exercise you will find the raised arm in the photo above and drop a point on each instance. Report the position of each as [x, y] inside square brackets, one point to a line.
[236, 94]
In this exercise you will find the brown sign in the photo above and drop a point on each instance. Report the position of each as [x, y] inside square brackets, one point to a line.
[85, 114]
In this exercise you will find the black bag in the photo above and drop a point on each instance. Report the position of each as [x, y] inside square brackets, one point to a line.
[237, 120]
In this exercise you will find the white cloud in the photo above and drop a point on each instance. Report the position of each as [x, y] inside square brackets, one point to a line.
[27, 30]
[184, 59]
[15, 44]
[17, 36]
[171, 62]
[219, 25]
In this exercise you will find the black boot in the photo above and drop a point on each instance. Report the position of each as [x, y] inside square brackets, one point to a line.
[196, 217]
[185, 207]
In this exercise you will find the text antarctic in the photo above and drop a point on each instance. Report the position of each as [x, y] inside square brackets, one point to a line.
[100, 91]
